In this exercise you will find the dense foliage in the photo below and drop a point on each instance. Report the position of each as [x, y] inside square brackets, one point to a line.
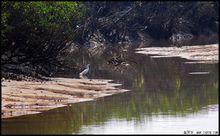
[160, 20]
[38, 34]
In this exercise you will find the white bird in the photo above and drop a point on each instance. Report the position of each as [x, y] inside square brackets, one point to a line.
[85, 71]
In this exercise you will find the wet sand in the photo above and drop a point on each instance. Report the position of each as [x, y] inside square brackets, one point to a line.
[198, 53]
[29, 97]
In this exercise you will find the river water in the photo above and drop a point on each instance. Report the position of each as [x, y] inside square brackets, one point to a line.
[164, 99]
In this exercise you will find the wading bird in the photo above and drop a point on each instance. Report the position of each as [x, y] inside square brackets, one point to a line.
[85, 71]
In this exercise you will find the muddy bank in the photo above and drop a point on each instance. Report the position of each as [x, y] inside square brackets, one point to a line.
[198, 53]
[29, 97]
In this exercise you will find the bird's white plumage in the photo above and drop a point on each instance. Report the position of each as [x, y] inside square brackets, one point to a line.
[85, 71]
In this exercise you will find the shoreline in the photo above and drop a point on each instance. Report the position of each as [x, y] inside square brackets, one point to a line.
[195, 54]
[30, 97]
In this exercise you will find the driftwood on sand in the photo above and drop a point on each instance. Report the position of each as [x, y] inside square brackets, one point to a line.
[29, 97]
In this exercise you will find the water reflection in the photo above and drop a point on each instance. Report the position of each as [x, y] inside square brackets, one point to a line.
[160, 88]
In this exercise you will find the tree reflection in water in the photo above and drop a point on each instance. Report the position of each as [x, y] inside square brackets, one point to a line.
[159, 87]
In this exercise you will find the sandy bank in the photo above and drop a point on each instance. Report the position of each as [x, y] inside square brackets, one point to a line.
[199, 53]
[29, 97]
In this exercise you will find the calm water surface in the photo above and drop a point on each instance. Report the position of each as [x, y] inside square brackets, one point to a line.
[165, 98]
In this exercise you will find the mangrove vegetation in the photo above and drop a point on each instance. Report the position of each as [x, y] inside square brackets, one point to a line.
[37, 38]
